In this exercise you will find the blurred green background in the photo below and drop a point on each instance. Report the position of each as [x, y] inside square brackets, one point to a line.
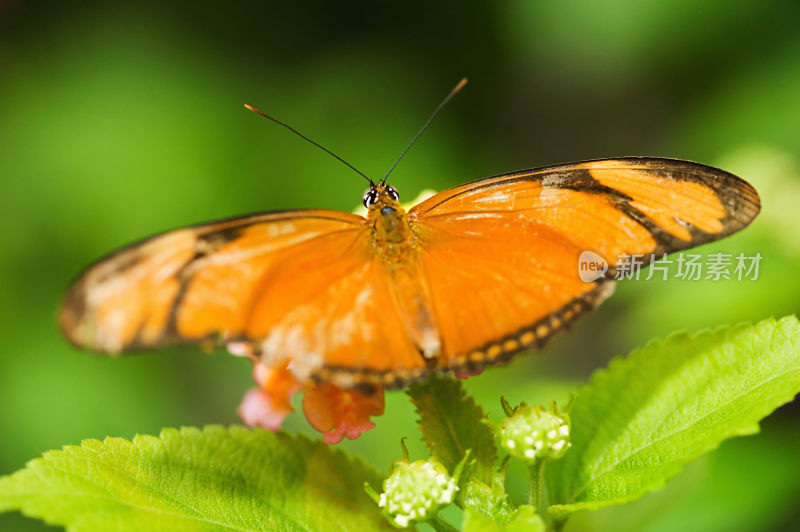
[125, 119]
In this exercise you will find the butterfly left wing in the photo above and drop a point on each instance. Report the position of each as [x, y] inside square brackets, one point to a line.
[187, 285]
[301, 288]
[501, 254]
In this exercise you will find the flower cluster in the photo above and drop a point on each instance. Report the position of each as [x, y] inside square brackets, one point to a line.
[533, 433]
[334, 411]
[415, 491]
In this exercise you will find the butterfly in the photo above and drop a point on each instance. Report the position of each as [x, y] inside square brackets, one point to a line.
[463, 280]
[466, 279]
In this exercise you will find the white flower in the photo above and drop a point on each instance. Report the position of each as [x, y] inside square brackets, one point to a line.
[415, 491]
[533, 433]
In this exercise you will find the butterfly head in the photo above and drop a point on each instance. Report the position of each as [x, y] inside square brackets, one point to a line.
[381, 198]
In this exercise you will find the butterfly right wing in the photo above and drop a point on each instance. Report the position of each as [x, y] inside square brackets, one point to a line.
[502, 254]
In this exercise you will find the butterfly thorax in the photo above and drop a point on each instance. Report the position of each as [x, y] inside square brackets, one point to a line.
[394, 245]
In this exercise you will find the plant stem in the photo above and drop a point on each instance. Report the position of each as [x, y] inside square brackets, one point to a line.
[536, 479]
[440, 525]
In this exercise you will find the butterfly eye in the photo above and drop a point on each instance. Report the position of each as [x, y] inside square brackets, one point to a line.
[370, 197]
[392, 193]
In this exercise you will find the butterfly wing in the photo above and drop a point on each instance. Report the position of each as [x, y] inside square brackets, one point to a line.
[501, 254]
[300, 286]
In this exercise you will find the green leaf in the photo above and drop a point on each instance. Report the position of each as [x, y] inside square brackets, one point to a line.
[525, 519]
[475, 521]
[452, 423]
[638, 422]
[491, 502]
[191, 479]
[717, 493]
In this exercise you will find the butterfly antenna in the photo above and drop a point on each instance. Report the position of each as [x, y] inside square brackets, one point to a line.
[458, 87]
[317, 144]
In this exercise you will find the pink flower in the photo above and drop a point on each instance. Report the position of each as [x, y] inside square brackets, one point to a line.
[464, 375]
[268, 405]
[334, 411]
[337, 412]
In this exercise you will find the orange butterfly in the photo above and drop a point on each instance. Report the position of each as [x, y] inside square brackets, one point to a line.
[466, 279]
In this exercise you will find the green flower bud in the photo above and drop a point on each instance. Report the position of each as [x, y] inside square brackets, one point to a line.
[416, 491]
[533, 433]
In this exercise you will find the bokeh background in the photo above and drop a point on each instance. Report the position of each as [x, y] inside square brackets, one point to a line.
[120, 120]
